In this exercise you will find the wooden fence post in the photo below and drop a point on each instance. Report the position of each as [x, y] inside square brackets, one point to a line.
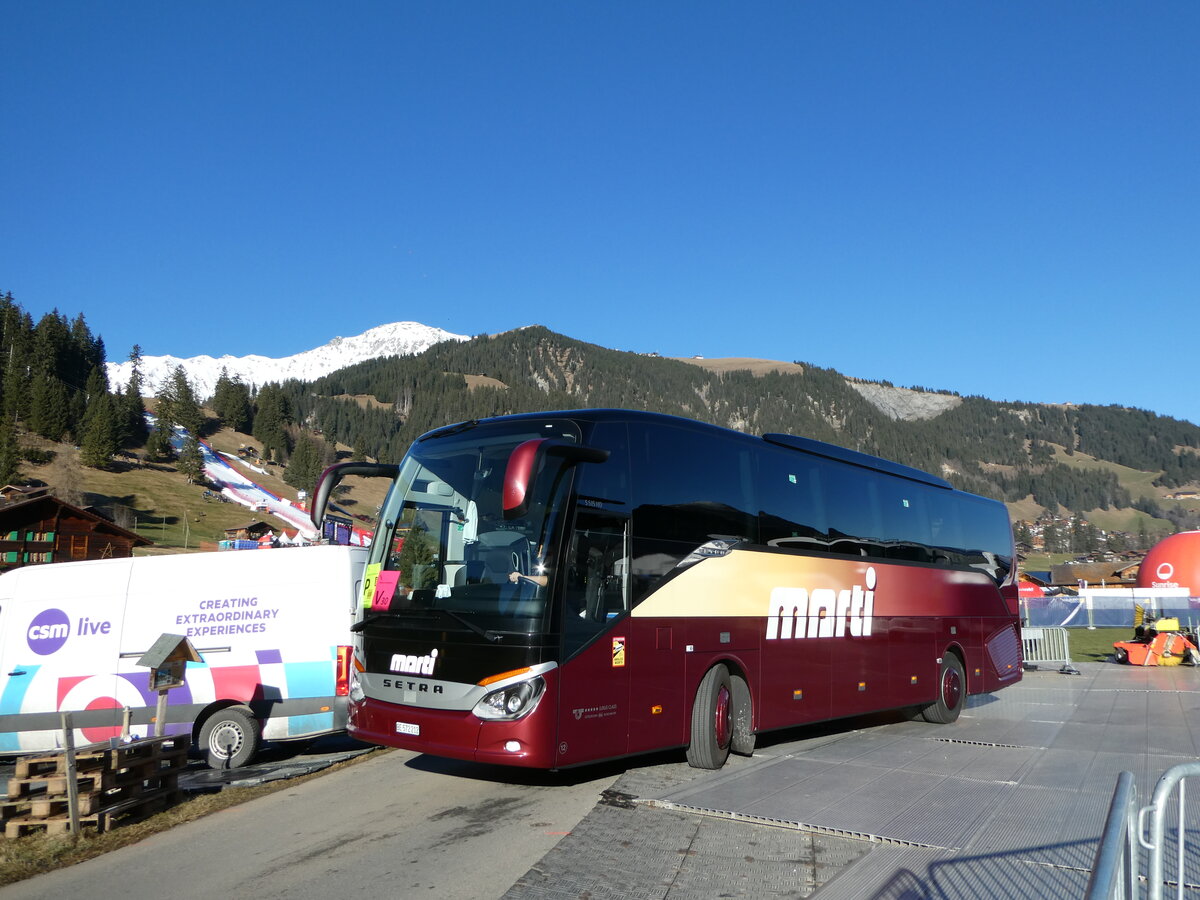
[72, 774]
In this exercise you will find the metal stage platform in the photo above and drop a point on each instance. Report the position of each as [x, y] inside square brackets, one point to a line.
[1008, 802]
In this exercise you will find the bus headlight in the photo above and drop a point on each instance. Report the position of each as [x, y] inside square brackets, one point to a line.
[513, 702]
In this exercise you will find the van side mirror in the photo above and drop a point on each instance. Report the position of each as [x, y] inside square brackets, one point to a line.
[525, 461]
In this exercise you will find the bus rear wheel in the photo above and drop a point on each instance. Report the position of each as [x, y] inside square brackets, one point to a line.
[952, 692]
[712, 720]
[741, 739]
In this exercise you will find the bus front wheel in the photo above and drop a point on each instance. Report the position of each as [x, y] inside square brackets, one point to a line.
[712, 720]
[952, 692]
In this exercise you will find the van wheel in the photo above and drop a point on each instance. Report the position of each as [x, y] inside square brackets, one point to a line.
[712, 720]
[952, 692]
[230, 737]
[741, 740]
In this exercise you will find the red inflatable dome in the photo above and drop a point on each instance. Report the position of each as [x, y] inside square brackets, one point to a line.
[1173, 562]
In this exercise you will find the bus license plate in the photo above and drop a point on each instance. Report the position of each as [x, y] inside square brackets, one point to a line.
[407, 728]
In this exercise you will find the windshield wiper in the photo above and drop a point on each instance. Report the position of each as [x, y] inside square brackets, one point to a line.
[380, 614]
[459, 617]
[427, 613]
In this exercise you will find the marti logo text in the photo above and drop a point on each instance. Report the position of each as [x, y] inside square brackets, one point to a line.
[413, 665]
[822, 613]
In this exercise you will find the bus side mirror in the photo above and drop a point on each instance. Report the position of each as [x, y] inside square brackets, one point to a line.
[526, 459]
[332, 476]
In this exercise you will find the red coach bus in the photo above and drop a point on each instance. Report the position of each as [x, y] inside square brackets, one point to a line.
[547, 590]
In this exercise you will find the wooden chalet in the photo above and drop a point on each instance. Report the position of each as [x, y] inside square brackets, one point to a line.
[251, 531]
[1104, 574]
[37, 527]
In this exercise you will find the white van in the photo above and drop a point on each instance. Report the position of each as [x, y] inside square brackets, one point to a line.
[272, 628]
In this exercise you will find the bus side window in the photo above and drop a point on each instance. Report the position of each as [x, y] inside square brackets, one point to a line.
[905, 520]
[793, 509]
[984, 526]
[596, 581]
[690, 487]
[853, 507]
[607, 481]
[945, 529]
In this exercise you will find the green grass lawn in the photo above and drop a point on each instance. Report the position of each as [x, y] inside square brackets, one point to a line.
[1095, 645]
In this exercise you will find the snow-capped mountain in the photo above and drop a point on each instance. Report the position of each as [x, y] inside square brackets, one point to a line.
[396, 339]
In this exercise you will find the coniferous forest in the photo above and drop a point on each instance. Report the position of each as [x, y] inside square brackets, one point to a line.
[1002, 450]
[54, 386]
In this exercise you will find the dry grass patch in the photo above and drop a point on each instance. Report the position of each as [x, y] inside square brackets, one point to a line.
[739, 363]
[35, 854]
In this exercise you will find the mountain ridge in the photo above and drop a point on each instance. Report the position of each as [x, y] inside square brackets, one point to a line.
[412, 338]
[391, 339]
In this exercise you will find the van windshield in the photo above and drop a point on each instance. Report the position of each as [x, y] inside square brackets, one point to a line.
[449, 541]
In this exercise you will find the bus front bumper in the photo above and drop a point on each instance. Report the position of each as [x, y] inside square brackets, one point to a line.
[457, 734]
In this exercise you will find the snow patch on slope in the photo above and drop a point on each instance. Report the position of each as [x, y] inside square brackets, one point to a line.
[396, 339]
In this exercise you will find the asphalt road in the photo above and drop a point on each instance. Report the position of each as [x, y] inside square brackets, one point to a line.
[395, 825]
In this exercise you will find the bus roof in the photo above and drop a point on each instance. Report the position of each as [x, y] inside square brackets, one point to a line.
[805, 445]
[842, 454]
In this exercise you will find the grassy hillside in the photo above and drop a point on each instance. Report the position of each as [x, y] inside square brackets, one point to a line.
[156, 501]
[1001, 450]
[1124, 466]
[153, 500]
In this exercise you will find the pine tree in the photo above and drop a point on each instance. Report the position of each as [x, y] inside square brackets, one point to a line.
[49, 413]
[304, 465]
[231, 402]
[135, 374]
[177, 403]
[131, 406]
[97, 384]
[10, 451]
[99, 442]
[18, 339]
[191, 460]
[158, 444]
[272, 415]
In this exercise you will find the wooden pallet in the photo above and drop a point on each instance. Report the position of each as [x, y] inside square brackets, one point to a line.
[113, 783]
[24, 825]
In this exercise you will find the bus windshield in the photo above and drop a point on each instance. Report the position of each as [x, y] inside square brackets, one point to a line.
[470, 526]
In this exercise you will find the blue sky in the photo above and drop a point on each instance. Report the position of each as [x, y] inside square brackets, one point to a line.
[995, 198]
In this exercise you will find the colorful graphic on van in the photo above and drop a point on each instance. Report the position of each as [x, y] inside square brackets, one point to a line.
[95, 692]
[305, 687]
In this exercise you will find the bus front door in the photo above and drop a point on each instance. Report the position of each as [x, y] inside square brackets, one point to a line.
[593, 713]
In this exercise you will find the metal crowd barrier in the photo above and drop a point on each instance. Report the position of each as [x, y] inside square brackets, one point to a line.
[1128, 830]
[1046, 646]
[1115, 870]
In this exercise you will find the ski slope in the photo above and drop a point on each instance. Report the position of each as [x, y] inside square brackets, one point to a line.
[240, 489]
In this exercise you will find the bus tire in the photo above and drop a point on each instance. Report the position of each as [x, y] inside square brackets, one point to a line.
[952, 692]
[741, 740]
[230, 737]
[712, 720]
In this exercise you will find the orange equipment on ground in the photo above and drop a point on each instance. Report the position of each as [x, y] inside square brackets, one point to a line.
[1162, 644]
